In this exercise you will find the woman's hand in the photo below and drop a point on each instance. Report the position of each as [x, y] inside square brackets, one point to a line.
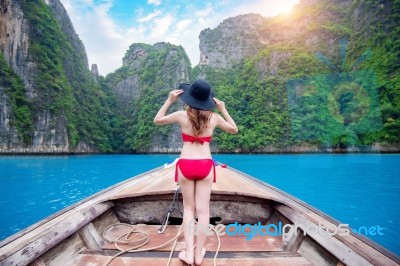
[220, 105]
[173, 95]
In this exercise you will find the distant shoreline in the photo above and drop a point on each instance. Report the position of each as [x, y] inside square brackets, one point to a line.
[304, 148]
[177, 153]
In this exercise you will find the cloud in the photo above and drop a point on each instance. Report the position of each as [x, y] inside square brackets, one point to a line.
[161, 26]
[182, 25]
[154, 2]
[150, 16]
[204, 12]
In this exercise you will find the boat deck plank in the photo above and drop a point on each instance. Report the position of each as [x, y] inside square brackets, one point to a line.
[95, 260]
[158, 182]
[228, 243]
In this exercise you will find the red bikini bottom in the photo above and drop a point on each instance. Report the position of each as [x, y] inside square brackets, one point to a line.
[194, 169]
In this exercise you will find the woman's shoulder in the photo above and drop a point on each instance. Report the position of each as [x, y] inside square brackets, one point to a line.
[181, 112]
[182, 115]
[215, 116]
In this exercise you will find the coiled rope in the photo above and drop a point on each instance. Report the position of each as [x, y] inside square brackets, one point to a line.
[129, 238]
[139, 238]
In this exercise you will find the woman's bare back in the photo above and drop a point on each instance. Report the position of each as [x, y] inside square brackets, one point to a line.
[197, 150]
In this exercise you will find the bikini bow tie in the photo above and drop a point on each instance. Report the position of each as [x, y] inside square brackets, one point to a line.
[192, 139]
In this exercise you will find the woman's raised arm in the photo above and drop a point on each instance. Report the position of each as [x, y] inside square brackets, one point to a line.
[161, 118]
[227, 124]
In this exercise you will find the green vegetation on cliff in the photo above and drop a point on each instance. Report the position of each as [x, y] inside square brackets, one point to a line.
[156, 75]
[260, 104]
[64, 85]
[21, 107]
[378, 30]
[328, 75]
[336, 84]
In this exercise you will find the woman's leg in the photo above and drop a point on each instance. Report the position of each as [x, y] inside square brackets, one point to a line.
[202, 203]
[187, 189]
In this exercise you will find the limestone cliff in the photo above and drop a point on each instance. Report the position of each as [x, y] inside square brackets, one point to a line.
[13, 44]
[148, 73]
[167, 62]
[29, 34]
[243, 36]
[234, 39]
[256, 65]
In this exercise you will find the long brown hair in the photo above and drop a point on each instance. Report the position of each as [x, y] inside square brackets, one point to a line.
[199, 119]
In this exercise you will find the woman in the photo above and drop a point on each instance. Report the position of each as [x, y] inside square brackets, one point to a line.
[195, 165]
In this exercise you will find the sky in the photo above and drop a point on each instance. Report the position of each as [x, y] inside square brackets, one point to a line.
[108, 27]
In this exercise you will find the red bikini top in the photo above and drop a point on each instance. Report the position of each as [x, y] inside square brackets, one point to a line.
[192, 139]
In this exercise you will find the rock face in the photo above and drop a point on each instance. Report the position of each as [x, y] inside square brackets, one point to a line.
[94, 70]
[127, 90]
[13, 45]
[234, 39]
[8, 134]
[67, 28]
[50, 133]
[244, 36]
[14, 41]
[167, 62]
[148, 73]
[173, 69]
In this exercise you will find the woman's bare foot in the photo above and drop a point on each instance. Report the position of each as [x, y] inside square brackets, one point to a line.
[198, 257]
[185, 257]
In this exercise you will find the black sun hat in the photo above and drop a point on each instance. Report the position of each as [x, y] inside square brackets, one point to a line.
[198, 95]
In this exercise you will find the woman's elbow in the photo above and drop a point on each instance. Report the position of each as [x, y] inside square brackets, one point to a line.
[156, 121]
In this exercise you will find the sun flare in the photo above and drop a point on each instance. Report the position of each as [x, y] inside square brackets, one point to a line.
[283, 6]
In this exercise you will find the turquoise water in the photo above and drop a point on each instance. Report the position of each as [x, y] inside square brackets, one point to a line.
[361, 190]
